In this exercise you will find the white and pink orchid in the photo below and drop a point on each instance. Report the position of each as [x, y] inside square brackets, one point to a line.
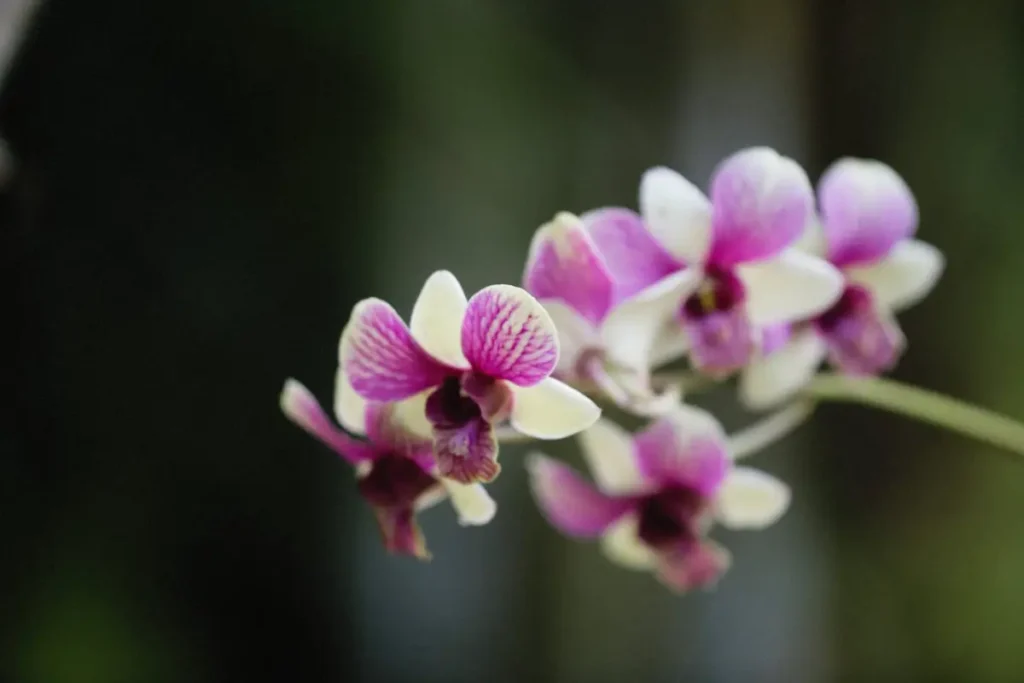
[866, 227]
[657, 495]
[461, 367]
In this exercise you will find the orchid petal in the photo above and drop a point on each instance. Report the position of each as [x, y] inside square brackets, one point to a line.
[564, 264]
[436, 321]
[762, 202]
[608, 450]
[551, 410]
[777, 376]
[866, 209]
[473, 505]
[677, 214]
[694, 566]
[568, 502]
[401, 532]
[622, 545]
[632, 329]
[299, 406]
[508, 335]
[751, 499]
[790, 287]
[349, 407]
[633, 257]
[386, 430]
[575, 335]
[904, 276]
[380, 357]
[687, 447]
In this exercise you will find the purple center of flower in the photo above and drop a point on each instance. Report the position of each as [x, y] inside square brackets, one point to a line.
[670, 516]
[716, 323]
[395, 482]
[860, 340]
[461, 411]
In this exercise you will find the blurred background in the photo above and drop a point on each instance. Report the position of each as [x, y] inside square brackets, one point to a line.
[197, 192]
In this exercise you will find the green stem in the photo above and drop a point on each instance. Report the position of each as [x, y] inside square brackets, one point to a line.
[768, 430]
[921, 404]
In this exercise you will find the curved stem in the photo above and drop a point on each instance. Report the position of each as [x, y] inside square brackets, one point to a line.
[921, 404]
[768, 430]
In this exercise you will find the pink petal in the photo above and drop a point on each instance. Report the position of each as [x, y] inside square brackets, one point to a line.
[467, 453]
[381, 359]
[508, 335]
[564, 265]
[299, 406]
[866, 209]
[693, 566]
[401, 533]
[387, 432]
[685, 448]
[571, 504]
[632, 255]
[762, 202]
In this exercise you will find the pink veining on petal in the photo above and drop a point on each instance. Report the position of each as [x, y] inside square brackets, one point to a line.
[866, 209]
[761, 204]
[381, 359]
[300, 406]
[692, 566]
[664, 455]
[506, 334]
[565, 265]
[861, 340]
[570, 503]
[633, 257]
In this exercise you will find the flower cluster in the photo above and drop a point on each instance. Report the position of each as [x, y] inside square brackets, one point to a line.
[758, 280]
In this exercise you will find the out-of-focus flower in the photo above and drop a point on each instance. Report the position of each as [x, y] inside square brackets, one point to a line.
[736, 248]
[581, 269]
[462, 366]
[395, 470]
[657, 495]
[868, 218]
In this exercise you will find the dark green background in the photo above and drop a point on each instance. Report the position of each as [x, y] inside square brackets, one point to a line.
[204, 189]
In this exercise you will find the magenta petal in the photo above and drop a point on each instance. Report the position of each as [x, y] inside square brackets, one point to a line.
[467, 453]
[508, 335]
[570, 503]
[866, 209]
[861, 338]
[633, 257]
[666, 455]
[381, 359]
[720, 342]
[564, 264]
[762, 202]
[693, 565]
[401, 533]
[299, 406]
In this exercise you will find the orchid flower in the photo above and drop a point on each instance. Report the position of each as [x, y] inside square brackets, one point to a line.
[868, 218]
[461, 367]
[657, 495]
[736, 271]
[581, 269]
[395, 470]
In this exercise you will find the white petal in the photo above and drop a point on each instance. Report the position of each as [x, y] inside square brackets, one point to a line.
[770, 380]
[411, 414]
[349, 407]
[608, 450]
[812, 240]
[677, 214]
[751, 499]
[575, 334]
[904, 277]
[622, 544]
[792, 286]
[427, 499]
[670, 344]
[551, 410]
[473, 505]
[436, 322]
[631, 330]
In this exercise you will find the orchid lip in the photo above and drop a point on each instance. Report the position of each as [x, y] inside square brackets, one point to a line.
[715, 319]
[670, 516]
[861, 340]
[461, 411]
